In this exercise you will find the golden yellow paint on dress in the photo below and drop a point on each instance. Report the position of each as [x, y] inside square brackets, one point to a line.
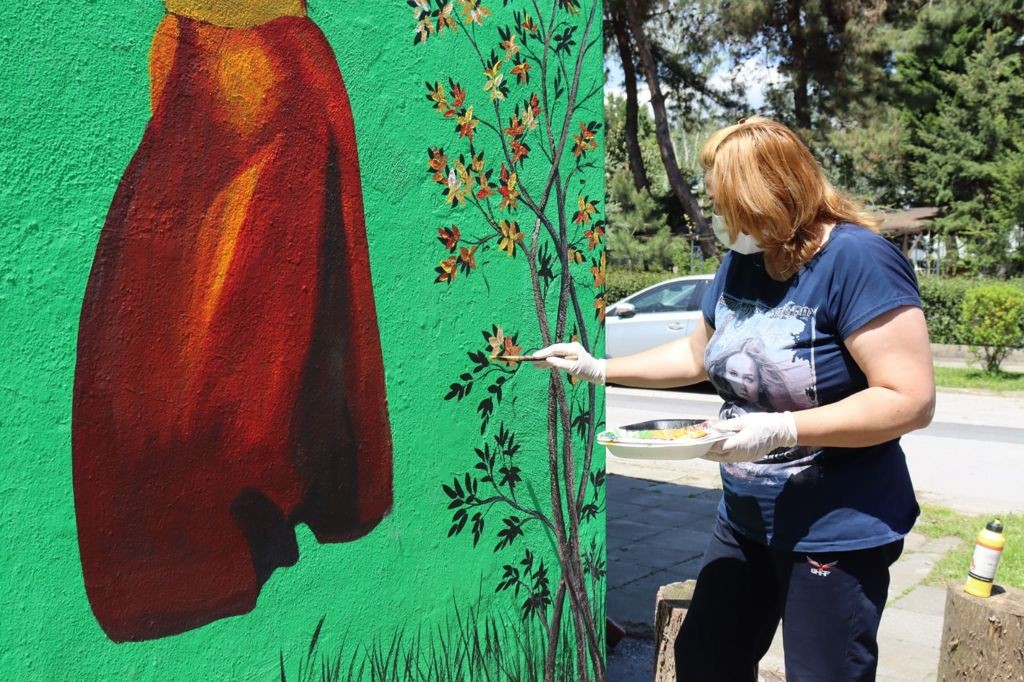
[161, 59]
[246, 87]
[236, 13]
[218, 234]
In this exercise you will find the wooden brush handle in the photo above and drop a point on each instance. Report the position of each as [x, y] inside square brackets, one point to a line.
[530, 358]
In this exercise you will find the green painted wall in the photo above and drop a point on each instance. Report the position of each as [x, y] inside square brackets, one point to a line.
[75, 82]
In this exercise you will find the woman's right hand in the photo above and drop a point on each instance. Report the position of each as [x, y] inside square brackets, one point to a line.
[585, 366]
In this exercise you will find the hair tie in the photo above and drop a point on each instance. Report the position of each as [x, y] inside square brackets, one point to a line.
[743, 120]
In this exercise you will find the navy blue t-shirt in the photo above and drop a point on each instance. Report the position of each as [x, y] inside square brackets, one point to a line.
[779, 346]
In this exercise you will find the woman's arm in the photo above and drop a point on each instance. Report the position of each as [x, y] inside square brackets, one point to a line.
[677, 363]
[893, 352]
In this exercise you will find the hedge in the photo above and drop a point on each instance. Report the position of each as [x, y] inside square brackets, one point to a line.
[943, 299]
[622, 283]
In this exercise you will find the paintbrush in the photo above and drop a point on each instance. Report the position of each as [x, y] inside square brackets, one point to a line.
[530, 358]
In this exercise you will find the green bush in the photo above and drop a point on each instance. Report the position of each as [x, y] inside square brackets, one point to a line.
[622, 283]
[993, 322]
[942, 299]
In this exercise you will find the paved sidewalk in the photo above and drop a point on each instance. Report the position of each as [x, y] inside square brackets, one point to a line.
[659, 520]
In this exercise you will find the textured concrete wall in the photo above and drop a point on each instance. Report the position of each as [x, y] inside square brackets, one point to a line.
[473, 531]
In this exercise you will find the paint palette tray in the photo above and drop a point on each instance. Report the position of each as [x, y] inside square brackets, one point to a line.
[664, 439]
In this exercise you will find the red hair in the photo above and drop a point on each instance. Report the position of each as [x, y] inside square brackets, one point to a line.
[767, 184]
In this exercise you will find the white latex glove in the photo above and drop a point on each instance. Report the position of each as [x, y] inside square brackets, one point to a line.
[585, 366]
[755, 435]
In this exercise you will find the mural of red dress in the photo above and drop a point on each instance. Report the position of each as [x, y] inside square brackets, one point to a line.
[229, 381]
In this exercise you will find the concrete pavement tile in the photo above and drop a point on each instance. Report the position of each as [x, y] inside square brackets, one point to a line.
[673, 488]
[623, 531]
[924, 599]
[670, 499]
[909, 570]
[621, 573]
[670, 517]
[649, 471]
[635, 602]
[679, 539]
[899, 661]
[686, 570]
[698, 468]
[621, 509]
[653, 581]
[646, 497]
[903, 661]
[657, 555]
[941, 546]
[909, 626]
[632, 605]
[669, 492]
[618, 484]
[905, 677]
[913, 542]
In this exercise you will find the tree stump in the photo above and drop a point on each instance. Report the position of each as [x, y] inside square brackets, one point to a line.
[669, 611]
[982, 639]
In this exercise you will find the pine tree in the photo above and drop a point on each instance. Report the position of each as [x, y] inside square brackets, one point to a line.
[964, 81]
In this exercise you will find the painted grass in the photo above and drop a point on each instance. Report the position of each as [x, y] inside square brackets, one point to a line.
[957, 377]
[939, 522]
[467, 647]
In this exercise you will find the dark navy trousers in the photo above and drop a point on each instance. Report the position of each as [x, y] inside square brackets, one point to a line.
[830, 604]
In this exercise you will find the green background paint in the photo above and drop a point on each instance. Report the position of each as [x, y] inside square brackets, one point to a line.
[75, 83]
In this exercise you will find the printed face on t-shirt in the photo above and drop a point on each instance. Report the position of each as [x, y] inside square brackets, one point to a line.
[741, 373]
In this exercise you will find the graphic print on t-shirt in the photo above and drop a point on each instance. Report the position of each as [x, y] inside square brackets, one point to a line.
[761, 359]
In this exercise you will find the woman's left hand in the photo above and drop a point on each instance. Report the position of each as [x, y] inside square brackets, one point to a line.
[754, 436]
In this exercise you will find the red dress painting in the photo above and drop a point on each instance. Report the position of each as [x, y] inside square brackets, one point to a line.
[229, 382]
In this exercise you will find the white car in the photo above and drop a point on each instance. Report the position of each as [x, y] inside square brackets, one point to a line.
[655, 315]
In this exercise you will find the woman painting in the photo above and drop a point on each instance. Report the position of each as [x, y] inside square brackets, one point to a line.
[229, 382]
[816, 497]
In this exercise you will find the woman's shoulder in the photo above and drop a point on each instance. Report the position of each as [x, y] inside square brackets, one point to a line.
[852, 233]
[854, 241]
[857, 252]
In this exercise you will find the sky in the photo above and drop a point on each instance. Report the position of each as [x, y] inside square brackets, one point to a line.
[754, 74]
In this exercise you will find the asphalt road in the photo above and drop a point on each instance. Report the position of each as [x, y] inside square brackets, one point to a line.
[971, 458]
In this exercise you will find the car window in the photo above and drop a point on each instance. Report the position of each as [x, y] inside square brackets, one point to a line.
[670, 297]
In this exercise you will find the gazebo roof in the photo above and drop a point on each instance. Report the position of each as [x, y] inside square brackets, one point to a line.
[906, 221]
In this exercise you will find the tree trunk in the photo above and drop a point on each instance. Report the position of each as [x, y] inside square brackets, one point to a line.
[982, 639]
[636, 159]
[798, 64]
[705, 236]
[671, 605]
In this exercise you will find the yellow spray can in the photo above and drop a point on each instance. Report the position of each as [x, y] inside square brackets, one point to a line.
[988, 548]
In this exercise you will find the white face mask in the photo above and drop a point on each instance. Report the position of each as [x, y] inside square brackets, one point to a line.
[744, 244]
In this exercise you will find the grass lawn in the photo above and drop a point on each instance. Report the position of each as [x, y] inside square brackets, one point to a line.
[956, 377]
[939, 522]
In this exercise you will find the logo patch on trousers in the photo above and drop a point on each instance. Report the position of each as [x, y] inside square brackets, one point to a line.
[821, 569]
